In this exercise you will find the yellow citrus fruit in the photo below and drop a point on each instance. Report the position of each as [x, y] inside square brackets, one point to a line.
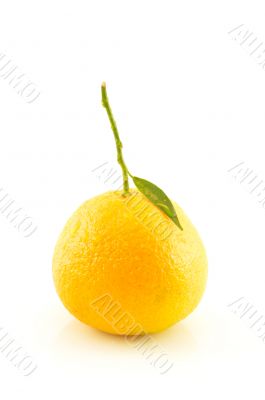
[122, 266]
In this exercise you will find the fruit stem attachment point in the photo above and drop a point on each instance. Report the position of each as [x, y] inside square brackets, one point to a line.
[106, 105]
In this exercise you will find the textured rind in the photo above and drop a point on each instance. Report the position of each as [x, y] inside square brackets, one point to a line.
[128, 249]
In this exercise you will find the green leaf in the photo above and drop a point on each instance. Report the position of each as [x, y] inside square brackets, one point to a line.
[157, 197]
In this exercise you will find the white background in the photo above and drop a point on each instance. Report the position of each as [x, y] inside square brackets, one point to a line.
[189, 103]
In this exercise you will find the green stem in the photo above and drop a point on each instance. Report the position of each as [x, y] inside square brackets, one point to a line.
[106, 105]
